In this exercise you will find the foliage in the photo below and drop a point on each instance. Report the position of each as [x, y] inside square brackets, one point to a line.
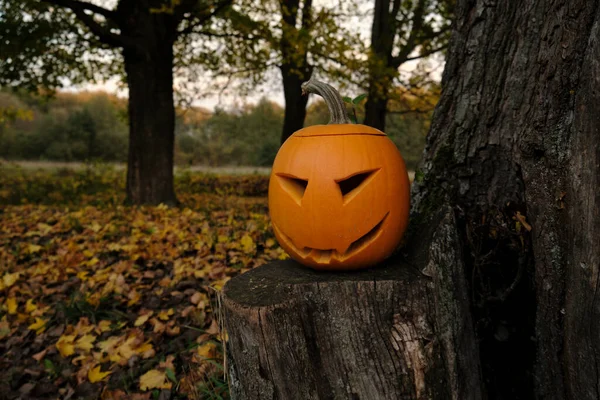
[248, 136]
[120, 301]
[93, 127]
[297, 37]
[46, 46]
[70, 127]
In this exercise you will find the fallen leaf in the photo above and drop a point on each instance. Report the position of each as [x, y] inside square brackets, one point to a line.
[247, 244]
[165, 314]
[86, 343]
[40, 356]
[38, 326]
[207, 350]
[33, 248]
[141, 320]
[65, 345]
[30, 306]
[10, 279]
[154, 379]
[95, 374]
[11, 305]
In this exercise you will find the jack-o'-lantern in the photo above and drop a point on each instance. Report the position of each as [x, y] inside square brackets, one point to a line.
[338, 193]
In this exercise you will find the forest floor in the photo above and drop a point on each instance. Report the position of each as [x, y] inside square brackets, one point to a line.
[101, 300]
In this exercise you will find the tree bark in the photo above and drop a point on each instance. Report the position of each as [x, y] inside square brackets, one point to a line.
[398, 331]
[514, 146]
[149, 69]
[295, 102]
[381, 72]
[294, 68]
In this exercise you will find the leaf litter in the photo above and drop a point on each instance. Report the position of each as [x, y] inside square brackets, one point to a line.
[110, 301]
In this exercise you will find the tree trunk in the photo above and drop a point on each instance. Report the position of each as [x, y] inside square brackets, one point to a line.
[295, 102]
[376, 109]
[295, 68]
[381, 73]
[149, 68]
[389, 332]
[514, 146]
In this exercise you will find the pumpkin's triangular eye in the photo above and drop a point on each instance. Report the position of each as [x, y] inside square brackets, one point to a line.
[293, 185]
[350, 186]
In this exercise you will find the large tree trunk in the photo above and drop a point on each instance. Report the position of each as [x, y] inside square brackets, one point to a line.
[149, 68]
[514, 145]
[295, 102]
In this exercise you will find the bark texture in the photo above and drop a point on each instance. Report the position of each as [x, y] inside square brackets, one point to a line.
[514, 145]
[149, 68]
[393, 332]
[295, 69]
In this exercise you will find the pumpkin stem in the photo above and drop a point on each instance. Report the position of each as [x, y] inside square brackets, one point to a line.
[337, 108]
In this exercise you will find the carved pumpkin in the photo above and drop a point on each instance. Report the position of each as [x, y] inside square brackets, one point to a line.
[338, 193]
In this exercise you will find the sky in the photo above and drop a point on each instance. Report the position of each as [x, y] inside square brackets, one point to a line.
[273, 89]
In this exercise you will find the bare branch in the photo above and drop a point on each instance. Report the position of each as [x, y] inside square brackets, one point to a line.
[427, 53]
[201, 20]
[76, 4]
[225, 35]
[103, 33]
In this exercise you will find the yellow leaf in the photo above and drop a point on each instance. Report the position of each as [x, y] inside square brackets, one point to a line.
[222, 238]
[65, 345]
[45, 228]
[109, 344]
[11, 305]
[270, 243]
[247, 244]
[134, 297]
[30, 306]
[164, 314]
[38, 326]
[154, 379]
[10, 279]
[33, 248]
[141, 320]
[92, 262]
[86, 343]
[207, 350]
[95, 375]
[104, 326]
[146, 350]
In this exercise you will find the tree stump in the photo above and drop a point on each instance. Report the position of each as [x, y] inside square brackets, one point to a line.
[395, 331]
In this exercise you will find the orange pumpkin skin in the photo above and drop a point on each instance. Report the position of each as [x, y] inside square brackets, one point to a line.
[339, 196]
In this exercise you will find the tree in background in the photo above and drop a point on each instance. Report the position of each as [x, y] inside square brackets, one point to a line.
[296, 37]
[50, 43]
[402, 31]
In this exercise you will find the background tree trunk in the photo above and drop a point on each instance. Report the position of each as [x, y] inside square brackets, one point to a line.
[295, 102]
[149, 68]
[381, 72]
[295, 68]
[514, 146]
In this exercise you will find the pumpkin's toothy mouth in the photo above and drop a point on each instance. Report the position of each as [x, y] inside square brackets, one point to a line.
[324, 256]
